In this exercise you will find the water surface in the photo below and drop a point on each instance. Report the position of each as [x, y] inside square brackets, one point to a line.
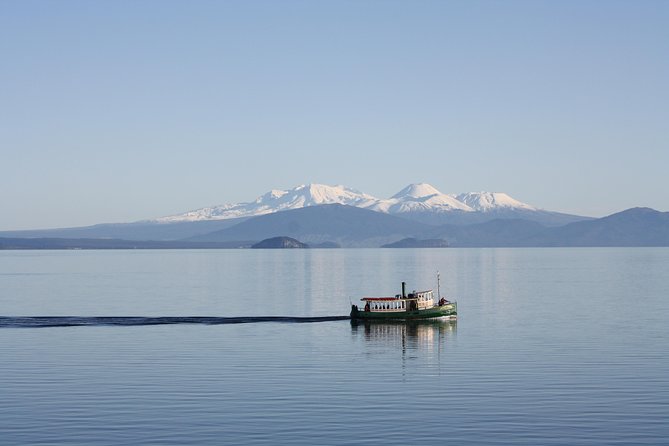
[552, 346]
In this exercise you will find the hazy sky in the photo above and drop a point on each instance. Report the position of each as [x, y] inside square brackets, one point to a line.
[115, 111]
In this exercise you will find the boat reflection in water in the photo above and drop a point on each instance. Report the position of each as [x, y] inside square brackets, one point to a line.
[423, 335]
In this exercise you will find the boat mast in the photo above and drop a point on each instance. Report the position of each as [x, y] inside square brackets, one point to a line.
[438, 285]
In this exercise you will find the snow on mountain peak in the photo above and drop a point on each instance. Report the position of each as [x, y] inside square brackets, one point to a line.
[417, 190]
[323, 194]
[278, 200]
[274, 194]
[419, 197]
[487, 201]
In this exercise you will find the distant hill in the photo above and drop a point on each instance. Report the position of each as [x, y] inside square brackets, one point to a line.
[633, 227]
[280, 243]
[411, 242]
[461, 218]
[346, 225]
[146, 230]
[83, 243]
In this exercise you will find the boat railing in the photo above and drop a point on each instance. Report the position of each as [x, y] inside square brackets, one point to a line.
[398, 304]
[388, 305]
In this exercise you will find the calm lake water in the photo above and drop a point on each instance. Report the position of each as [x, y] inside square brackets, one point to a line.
[552, 346]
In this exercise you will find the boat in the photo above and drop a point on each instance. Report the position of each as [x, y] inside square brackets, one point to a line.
[411, 306]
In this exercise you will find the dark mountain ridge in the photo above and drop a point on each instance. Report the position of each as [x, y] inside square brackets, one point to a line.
[347, 225]
[632, 227]
[108, 243]
[143, 230]
[463, 218]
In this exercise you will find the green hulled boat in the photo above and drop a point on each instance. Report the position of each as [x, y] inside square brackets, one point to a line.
[414, 305]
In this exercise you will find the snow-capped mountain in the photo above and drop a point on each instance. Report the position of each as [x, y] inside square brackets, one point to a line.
[420, 197]
[278, 200]
[415, 198]
[489, 201]
[417, 190]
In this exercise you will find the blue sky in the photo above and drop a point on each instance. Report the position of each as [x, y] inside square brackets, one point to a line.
[125, 110]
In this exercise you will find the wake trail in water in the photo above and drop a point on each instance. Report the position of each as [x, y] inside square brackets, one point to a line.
[125, 321]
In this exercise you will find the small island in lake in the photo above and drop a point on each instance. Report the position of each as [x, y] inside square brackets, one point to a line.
[279, 243]
[416, 243]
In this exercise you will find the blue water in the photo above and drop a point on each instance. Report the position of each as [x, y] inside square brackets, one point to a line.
[552, 346]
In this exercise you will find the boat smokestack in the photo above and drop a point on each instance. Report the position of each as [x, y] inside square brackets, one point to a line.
[404, 293]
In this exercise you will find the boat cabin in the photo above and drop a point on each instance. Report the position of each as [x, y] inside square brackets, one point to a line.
[418, 300]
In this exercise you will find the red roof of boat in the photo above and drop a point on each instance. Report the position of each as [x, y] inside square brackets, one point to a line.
[381, 298]
[395, 298]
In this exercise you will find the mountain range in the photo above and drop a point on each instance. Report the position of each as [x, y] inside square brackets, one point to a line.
[354, 227]
[420, 201]
[323, 215]
[348, 226]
